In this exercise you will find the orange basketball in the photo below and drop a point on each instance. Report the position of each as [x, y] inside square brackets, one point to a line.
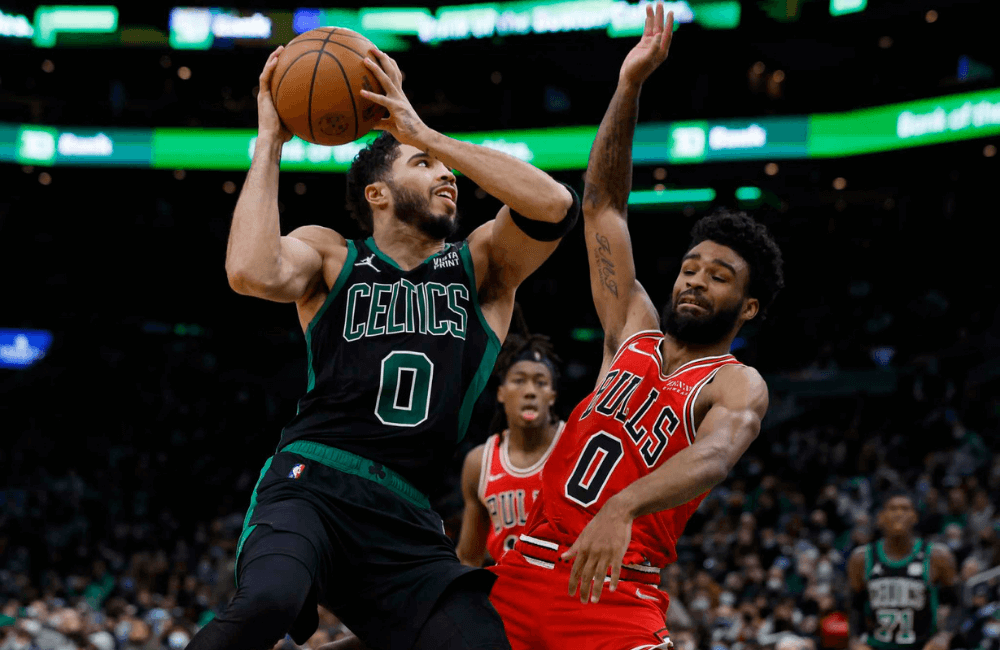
[317, 86]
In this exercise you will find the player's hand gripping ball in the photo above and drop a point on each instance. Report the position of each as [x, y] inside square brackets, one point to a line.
[316, 86]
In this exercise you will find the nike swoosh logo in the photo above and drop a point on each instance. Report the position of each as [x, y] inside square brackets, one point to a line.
[644, 596]
[493, 477]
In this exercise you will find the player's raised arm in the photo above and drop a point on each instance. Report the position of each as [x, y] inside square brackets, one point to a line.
[259, 261]
[471, 548]
[621, 302]
[537, 212]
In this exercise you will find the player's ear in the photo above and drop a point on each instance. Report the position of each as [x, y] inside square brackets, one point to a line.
[501, 394]
[377, 194]
[751, 306]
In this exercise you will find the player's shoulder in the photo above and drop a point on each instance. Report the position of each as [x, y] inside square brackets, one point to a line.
[739, 374]
[321, 238]
[740, 383]
[475, 455]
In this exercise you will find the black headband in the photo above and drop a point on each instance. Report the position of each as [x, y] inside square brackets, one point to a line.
[534, 355]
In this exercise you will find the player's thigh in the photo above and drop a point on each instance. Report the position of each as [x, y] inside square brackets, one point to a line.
[619, 621]
[463, 619]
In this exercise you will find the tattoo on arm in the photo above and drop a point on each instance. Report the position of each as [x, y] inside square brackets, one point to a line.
[609, 170]
[605, 267]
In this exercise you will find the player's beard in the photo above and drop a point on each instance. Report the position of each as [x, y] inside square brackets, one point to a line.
[699, 330]
[414, 209]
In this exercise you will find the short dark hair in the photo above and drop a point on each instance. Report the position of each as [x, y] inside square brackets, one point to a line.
[753, 243]
[898, 492]
[372, 164]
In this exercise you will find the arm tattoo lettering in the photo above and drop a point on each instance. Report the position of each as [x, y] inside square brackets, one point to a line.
[605, 267]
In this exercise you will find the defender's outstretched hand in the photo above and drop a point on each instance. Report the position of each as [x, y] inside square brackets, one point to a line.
[402, 122]
[651, 50]
[268, 122]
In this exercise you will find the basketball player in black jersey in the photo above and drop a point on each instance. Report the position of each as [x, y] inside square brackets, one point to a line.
[897, 584]
[402, 331]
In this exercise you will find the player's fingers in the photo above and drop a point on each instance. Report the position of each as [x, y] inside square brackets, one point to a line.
[616, 572]
[574, 574]
[589, 575]
[381, 100]
[380, 74]
[668, 34]
[658, 18]
[648, 29]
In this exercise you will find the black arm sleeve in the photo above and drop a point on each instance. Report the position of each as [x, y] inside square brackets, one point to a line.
[858, 622]
[544, 230]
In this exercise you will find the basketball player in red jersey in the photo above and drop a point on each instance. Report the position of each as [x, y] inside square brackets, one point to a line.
[671, 415]
[501, 477]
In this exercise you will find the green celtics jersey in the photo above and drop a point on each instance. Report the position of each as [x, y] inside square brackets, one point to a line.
[396, 361]
[902, 602]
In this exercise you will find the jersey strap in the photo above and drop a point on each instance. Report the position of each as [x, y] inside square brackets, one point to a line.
[486, 464]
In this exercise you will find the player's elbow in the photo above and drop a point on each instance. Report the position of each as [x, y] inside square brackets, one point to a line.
[558, 206]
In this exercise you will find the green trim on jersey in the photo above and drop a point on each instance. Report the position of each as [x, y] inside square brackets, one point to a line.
[352, 254]
[349, 463]
[388, 260]
[917, 544]
[493, 345]
[247, 528]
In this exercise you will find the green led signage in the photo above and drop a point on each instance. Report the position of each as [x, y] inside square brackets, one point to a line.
[841, 7]
[884, 128]
[50, 21]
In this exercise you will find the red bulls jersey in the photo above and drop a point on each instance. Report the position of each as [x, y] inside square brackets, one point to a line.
[508, 492]
[635, 420]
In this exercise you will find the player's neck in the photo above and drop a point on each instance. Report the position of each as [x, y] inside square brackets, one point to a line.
[677, 353]
[533, 440]
[405, 244]
[897, 547]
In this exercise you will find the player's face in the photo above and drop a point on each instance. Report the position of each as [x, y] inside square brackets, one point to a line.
[424, 193]
[709, 298]
[898, 516]
[527, 394]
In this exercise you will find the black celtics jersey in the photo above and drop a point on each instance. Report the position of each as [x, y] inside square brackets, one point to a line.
[902, 603]
[396, 361]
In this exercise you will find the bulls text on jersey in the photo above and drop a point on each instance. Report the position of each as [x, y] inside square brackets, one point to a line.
[433, 308]
[616, 398]
[507, 509]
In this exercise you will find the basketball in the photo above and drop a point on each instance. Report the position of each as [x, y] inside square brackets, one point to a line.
[317, 83]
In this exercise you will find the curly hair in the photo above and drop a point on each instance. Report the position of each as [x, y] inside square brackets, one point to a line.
[518, 342]
[753, 243]
[372, 164]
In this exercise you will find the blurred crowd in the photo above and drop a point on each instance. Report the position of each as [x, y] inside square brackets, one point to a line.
[137, 552]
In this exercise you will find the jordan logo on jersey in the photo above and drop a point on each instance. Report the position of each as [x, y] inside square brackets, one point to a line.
[368, 262]
[404, 307]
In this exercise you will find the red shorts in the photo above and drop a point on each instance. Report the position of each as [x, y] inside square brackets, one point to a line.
[539, 614]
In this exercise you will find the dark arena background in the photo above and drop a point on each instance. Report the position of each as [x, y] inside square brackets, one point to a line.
[139, 395]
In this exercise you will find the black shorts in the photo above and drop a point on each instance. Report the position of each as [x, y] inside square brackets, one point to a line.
[382, 555]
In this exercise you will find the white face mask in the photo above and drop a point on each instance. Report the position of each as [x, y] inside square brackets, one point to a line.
[178, 639]
[774, 584]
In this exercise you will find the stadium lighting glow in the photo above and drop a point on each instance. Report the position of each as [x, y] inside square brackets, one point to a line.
[748, 193]
[23, 348]
[841, 7]
[16, 26]
[671, 197]
[49, 21]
